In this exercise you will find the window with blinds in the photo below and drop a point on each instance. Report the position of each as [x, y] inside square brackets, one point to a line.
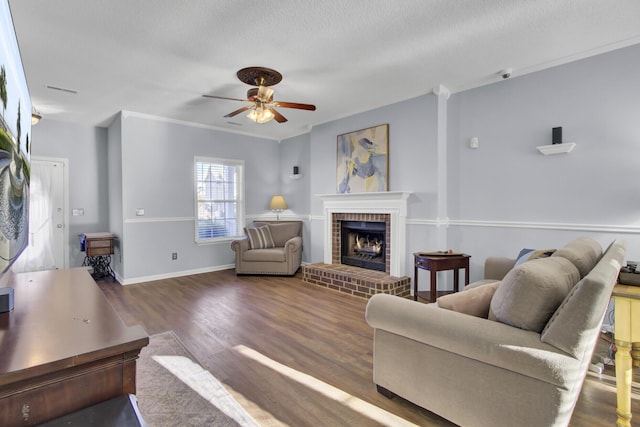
[219, 198]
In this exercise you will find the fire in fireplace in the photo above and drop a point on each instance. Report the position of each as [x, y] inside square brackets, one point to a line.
[363, 244]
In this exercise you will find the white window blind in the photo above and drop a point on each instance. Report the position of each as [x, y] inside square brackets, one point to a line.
[219, 198]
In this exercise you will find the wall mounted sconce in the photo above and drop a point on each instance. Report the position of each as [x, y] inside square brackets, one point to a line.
[35, 116]
[556, 135]
[278, 205]
[296, 173]
[557, 146]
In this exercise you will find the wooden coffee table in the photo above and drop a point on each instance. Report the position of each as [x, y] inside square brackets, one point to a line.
[434, 262]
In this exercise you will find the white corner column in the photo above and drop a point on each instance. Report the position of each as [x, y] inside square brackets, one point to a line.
[443, 94]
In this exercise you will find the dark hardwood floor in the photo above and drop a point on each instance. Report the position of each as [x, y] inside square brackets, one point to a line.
[296, 354]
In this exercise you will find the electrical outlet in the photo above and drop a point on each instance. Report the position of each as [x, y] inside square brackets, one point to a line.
[174, 255]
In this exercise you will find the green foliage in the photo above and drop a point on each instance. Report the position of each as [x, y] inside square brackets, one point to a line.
[3, 87]
[5, 141]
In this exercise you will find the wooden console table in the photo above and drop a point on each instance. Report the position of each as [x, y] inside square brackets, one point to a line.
[63, 348]
[435, 262]
[626, 331]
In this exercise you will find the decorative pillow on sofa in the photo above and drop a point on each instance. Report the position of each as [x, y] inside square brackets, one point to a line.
[531, 292]
[260, 237]
[583, 252]
[282, 232]
[474, 301]
[529, 254]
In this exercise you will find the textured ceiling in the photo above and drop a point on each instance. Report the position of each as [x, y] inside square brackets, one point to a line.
[157, 57]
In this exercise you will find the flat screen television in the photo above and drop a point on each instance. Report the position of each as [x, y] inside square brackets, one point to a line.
[15, 146]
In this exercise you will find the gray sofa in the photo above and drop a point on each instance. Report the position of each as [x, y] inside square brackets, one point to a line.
[525, 367]
[283, 253]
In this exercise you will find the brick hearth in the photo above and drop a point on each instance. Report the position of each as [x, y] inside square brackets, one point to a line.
[356, 281]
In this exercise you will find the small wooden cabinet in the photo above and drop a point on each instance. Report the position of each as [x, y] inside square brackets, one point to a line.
[98, 248]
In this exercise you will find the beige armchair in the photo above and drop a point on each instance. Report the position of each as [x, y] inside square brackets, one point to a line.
[270, 247]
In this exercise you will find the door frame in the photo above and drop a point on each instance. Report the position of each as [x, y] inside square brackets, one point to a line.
[65, 201]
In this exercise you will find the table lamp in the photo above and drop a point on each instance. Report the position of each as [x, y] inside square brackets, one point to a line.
[277, 205]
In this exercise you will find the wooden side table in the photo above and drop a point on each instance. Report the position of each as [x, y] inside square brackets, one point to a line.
[435, 262]
[626, 331]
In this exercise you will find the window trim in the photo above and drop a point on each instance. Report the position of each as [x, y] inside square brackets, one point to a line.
[240, 210]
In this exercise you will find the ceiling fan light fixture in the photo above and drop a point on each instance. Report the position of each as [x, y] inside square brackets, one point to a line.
[261, 115]
[262, 107]
[265, 94]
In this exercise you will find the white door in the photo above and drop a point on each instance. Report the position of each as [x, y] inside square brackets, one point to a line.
[47, 249]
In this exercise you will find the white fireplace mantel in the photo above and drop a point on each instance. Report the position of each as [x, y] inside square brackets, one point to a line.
[393, 203]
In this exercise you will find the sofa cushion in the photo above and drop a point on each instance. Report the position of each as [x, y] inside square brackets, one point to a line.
[474, 301]
[481, 282]
[529, 254]
[260, 237]
[265, 255]
[584, 253]
[571, 326]
[282, 232]
[531, 292]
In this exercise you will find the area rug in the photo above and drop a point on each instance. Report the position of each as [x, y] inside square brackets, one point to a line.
[174, 390]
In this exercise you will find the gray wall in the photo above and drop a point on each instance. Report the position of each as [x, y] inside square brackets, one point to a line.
[522, 198]
[158, 176]
[500, 198]
[114, 166]
[85, 148]
[296, 152]
[506, 195]
[412, 164]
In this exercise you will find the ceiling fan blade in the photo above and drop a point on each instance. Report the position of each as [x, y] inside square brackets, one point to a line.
[223, 97]
[295, 105]
[239, 110]
[277, 116]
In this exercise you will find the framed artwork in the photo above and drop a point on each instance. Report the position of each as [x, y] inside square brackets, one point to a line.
[362, 162]
[15, 130]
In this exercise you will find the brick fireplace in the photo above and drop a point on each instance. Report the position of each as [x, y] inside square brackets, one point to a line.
[387, 207]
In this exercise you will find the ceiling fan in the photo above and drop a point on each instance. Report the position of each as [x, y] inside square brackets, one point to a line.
[261, 104]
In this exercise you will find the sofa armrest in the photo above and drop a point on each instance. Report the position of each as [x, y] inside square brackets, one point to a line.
[294, 244]
[480, 339]
[496, 268]
[240, 245]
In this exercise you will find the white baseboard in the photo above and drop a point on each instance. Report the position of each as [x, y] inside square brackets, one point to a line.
[141, 279]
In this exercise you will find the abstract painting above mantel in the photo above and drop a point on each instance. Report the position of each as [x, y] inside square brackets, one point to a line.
[362, 161]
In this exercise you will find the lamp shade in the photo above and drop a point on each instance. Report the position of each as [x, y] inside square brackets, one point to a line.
[278, 203]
